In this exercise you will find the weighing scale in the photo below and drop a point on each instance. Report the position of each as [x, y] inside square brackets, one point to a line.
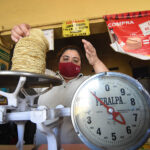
[109, 111]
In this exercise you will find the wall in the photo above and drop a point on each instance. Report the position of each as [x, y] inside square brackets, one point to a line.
[51, 13]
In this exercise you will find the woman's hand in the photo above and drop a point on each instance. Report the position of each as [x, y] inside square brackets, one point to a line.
[20, 31]
[92, 57]
[90, 52]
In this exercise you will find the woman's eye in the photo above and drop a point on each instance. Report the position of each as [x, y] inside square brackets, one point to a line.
[75, 61]
[65, 59]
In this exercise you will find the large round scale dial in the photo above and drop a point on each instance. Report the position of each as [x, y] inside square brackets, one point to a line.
[111, 111]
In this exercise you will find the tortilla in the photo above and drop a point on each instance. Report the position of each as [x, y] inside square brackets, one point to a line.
[30, 53]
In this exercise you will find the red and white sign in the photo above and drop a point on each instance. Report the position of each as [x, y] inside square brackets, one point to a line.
[130, 33]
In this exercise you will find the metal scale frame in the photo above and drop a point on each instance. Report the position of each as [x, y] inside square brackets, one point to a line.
[23, 109]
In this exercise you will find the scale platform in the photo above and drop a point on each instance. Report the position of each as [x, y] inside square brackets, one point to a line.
[9, 79]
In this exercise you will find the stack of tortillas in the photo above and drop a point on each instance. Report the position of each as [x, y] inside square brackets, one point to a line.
[30, 53]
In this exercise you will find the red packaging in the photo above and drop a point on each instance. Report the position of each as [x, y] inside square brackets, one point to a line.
[130, 33]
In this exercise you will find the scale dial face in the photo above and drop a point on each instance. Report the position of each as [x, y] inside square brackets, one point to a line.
[111, 111]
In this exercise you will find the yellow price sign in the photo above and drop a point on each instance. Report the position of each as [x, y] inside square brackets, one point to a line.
[76, 28]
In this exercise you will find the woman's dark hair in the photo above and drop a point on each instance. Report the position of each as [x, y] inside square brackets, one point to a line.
[70, 47]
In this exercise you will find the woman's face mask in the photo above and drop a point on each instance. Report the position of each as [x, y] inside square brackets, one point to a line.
[70, 62]
[69, 69]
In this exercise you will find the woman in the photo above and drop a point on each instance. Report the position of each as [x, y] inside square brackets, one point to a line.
[69, 71]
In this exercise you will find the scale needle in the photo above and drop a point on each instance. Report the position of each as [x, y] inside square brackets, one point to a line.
[112, 111]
